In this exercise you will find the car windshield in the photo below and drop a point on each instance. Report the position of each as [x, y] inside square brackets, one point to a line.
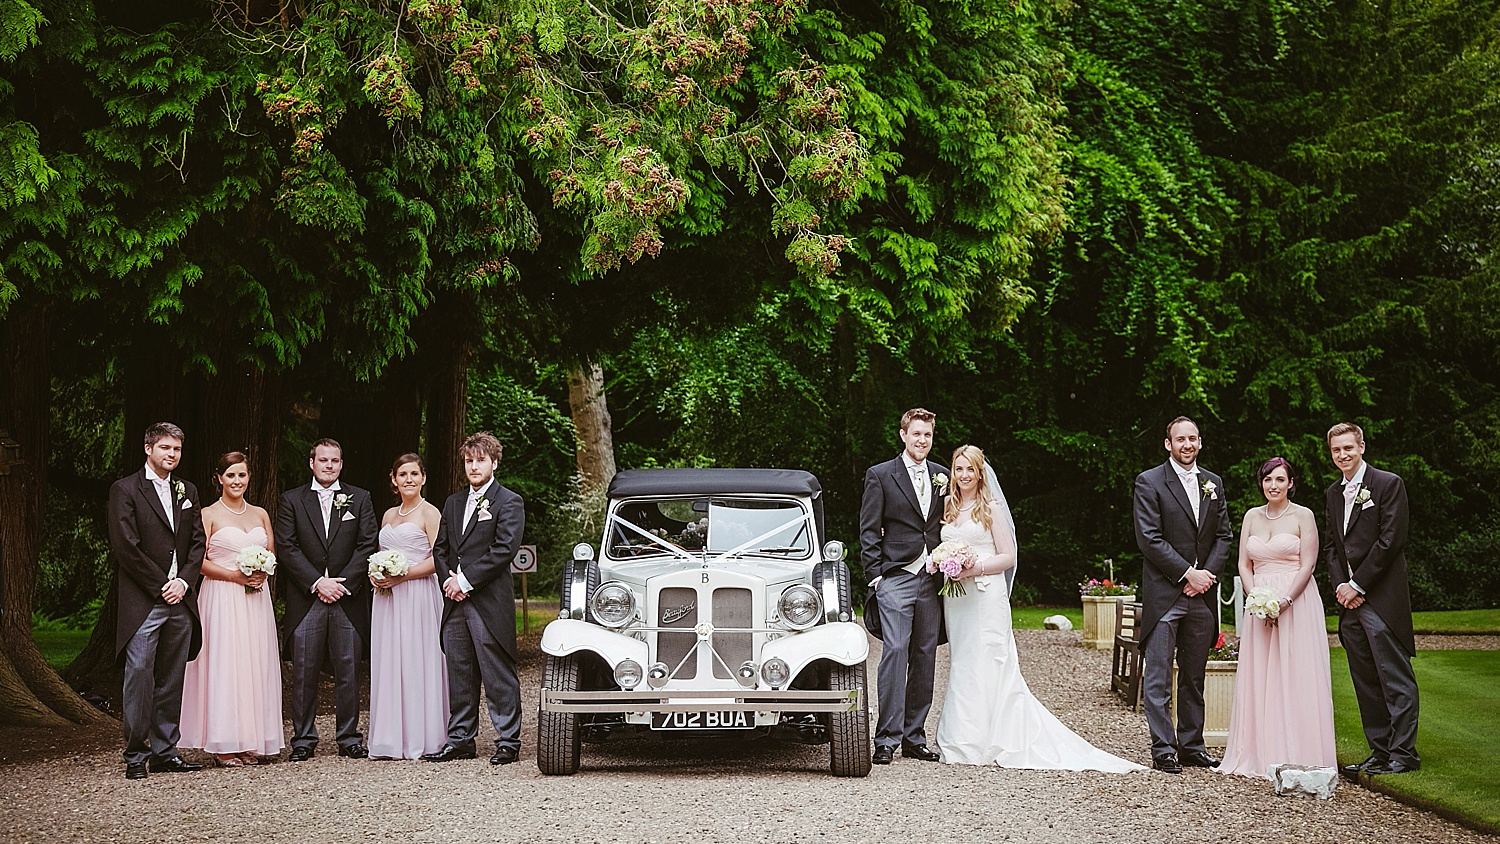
[706, 526]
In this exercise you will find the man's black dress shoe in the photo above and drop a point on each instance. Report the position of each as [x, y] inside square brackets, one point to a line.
[301, 754]
[919, 751]
[1167, 762]
[355, 751]
[883, 755]
[1199, 759]
[451, 752]
[1355, 769]
[1392, 767]
[504, 756]
[135, 771]
[173, 764]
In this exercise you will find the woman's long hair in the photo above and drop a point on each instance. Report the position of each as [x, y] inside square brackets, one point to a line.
[982, 492]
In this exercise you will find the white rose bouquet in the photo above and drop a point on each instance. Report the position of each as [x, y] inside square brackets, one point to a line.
[1263, 602]
[254, 559]
[388, 563]
[952, 559]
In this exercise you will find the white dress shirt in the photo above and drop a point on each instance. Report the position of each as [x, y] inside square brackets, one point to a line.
[325, 503]
[921, 480]
[1189, 479]
[469, 513]
[1351, 490]
[163, 487]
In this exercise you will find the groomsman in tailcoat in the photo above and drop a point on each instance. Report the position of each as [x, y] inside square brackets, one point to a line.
[900, 521]
[156, 540]
[1365, 546]
[1182, 528]
[477, 538]
[325, 534]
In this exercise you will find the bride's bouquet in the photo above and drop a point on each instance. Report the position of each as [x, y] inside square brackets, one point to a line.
[952, 558]
[252, 559]
[388, 563]
[1263, 602]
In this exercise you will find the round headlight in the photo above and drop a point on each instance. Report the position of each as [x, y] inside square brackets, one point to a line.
[800, 606]
[833, 550]
[628, 674]
[776, 672]
[613, 604]
[583, 551]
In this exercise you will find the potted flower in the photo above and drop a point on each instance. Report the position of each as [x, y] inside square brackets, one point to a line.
[1099, 599]
[1218, 689]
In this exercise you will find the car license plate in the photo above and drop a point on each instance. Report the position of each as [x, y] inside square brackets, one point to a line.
[711, 720]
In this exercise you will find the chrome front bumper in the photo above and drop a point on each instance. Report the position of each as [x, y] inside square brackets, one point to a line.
[679, 700]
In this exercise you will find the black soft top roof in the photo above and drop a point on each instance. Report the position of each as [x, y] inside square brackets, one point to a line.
[639, 482]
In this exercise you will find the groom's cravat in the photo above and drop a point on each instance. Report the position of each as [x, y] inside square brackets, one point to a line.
[325, 503]
[923, 489]
[1191, 488]
[469, 509]
[164, 493]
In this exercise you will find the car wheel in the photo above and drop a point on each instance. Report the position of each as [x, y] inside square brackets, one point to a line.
[839, 572]
[558, 745]
[849, 732]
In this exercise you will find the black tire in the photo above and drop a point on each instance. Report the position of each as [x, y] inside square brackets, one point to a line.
[558, 744]
[849, 732]
[567, 587]
[840, 573]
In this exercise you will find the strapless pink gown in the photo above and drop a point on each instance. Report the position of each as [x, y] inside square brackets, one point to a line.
[408, 674]
[231, 694]
[1283, 697]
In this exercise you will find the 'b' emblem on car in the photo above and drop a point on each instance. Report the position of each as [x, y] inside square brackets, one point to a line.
[671, 615]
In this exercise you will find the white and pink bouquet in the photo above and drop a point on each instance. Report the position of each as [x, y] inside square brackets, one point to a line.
[388, 563]
[252, 559]
[952, 559]
[1264, 602]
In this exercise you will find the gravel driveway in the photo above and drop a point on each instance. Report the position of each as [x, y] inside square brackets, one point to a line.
[69, 787]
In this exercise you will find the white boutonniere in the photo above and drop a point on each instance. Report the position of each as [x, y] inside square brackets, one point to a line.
[482, 505]
[1362, 496]
[1210, 489]
[940, 483]
[180, 488]
[342, 501]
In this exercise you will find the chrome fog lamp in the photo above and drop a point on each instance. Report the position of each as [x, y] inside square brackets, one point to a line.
[747, 674]
[800, 606]
[583, 551]
[656, 677]
[613, 604]
[776, 672]
[833, 550]
[628, 674]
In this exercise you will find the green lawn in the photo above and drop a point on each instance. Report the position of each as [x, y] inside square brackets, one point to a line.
[59, 647]
[1458, 734]
[1453, 621]
[1030, 618]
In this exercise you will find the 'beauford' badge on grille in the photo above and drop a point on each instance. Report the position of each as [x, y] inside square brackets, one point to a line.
[670, 615]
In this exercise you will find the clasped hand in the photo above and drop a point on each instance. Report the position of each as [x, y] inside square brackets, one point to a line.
[174, 590]
[330, 589]
[1348, 597]
[453, 590]
[1198, 581]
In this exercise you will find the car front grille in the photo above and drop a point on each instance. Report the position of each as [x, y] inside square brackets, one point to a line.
[732, 608]
[677, 607]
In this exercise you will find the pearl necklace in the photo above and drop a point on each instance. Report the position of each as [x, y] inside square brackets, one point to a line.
[403, 513]
[1272, 518]
[239, 512]
[966, 508]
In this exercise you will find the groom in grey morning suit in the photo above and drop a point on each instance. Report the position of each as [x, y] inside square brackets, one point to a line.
[1182, 528]
[900, 521]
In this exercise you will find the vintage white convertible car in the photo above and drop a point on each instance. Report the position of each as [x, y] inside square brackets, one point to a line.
[713, 608]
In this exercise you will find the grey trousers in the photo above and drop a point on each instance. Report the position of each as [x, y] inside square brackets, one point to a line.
[475, 658]
[155, 661]
[911, 617]
[1384, 685]
[325, 633]
[1186, 632]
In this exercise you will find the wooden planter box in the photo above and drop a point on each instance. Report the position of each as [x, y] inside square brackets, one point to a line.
[1099, 620]
[1218, 700]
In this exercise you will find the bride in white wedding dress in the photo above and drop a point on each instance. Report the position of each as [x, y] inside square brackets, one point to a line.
[989, 715]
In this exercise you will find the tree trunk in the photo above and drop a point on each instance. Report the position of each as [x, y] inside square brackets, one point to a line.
[29, 687]
[374, 423]
[447, 403]
[591, 424]
[242, 411]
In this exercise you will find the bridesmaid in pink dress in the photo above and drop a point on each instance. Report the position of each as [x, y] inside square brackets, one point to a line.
[231, 694]
[1283, 696]
[408, 675]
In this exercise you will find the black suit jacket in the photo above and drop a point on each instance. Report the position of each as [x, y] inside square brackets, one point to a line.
[1172, 541]
[141, 543]
[483, 553]
[303, 553]
[892, 531]
[1372, 552]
